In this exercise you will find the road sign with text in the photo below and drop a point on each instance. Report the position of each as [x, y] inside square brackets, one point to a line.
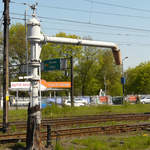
[54, 64]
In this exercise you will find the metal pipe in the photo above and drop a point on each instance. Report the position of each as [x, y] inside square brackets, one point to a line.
[62, 40]
[72, 81]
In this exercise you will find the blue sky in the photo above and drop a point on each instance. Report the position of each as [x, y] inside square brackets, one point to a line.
[126, 23]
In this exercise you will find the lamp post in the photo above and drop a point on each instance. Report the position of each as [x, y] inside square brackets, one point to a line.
[123, 78]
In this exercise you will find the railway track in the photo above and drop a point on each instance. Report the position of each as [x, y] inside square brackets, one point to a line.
[83, 120]
[12, 138]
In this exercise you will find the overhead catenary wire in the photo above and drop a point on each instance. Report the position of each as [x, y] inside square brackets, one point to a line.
[93, 1]
[83, 22]
[96, 32]
[98, 24]
[119, 6]
[119, 42]
[96, 12]
[19, 3]
[119, 34]
[90, 11]
[95, 24]
[17, 18]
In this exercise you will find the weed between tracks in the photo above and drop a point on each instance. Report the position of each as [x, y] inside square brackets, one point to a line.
[140, 141]
[126, 141]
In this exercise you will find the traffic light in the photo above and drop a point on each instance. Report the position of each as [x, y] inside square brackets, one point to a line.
[117, 56]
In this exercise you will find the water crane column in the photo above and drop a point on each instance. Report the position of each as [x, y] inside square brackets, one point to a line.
[36, 39]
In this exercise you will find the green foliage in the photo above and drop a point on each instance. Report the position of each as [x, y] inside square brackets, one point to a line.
[138, 79]
[91, 64]
[51, 50]
[17, 43]
[95, 65]
[90, 67]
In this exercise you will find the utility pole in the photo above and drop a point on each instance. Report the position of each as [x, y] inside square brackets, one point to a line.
[72, 81]
[6, 65]
[25, 22]
[123, 78]
[105, 84]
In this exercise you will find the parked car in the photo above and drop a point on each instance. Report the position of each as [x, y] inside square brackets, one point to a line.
[76, 103]
[145, 100]
[80, 100]
[117, 100]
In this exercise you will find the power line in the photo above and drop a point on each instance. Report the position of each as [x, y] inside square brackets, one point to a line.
[119, 6]
[19, 3]
[119, 42]
[87, 11]
[98, 32]
[97, 24]
[96, 12]
[17, 18]
[94, 24]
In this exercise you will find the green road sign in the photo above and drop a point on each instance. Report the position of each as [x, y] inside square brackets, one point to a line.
[54, 64]
[51, 64]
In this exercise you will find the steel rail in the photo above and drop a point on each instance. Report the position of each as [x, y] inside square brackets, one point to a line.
[13, 138]
[90, 117]
[84, 120]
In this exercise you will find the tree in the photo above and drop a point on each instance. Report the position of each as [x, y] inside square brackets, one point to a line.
[17, 44]
[85, 72]
[95, 66]
[110, 73]
[138, 79]
[91, 64]
[51, 50]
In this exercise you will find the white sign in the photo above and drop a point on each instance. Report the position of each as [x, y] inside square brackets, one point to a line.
[21, 85]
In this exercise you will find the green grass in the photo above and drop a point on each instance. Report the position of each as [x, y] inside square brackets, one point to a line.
[56, 111]
[134, 141]
[128, 142]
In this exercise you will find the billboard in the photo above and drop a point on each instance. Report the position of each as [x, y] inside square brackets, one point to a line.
[20, 85]
[56, 84]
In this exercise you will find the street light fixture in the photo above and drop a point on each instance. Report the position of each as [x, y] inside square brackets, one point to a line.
[123, 78]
